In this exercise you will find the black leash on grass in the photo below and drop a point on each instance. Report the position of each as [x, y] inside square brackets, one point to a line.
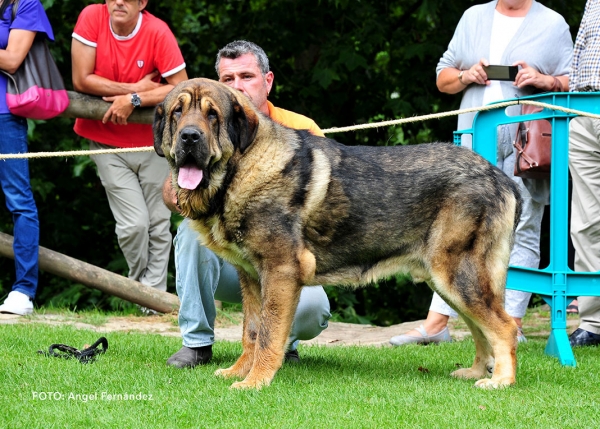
[87, 355]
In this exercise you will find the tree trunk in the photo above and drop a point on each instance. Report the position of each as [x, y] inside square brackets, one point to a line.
[97, 278]
[90, 107]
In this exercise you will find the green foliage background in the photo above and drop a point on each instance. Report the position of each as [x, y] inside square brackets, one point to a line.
[340, 62]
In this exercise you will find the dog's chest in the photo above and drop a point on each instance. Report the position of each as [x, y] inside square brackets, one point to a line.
[224, 242]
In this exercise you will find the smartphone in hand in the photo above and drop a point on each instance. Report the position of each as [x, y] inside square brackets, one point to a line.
[508, 73]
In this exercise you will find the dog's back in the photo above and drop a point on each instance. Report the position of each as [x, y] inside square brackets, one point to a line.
[390, 203]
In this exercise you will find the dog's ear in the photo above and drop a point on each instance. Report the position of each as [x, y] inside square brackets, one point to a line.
[158, 127]
[242, 126]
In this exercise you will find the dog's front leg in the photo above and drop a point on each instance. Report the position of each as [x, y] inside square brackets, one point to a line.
[251, 306]
[280, 297]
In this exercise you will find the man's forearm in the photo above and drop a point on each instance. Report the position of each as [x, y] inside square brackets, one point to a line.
[155, 96]
[102, 87]
[151, 92]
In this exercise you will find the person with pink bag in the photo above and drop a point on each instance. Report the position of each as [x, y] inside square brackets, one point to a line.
[16, 38]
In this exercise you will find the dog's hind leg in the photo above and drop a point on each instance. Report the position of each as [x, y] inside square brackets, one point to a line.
[251, 307]
[500, 331]
[495, 336]
[479, 299]
[484, 357]
[468, 267]
[488, 314]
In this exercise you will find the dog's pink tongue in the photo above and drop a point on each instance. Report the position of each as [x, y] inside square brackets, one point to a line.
[189, 177]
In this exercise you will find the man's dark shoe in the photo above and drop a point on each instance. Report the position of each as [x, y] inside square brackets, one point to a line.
[581, 338]
[292, 356]
[189, 357]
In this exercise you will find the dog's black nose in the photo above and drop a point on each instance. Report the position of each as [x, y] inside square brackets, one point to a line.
[190, 135]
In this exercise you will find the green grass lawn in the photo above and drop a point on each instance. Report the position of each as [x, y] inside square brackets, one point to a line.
[333, 387]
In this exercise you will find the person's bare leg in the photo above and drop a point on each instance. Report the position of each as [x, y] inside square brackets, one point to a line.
[434, 324]
[519, 321]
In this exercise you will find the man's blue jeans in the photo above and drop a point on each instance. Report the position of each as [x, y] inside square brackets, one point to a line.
[202, 277]
[14, 179]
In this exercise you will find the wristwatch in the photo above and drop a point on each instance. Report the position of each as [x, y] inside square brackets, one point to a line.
[460, 75]
[136, 100]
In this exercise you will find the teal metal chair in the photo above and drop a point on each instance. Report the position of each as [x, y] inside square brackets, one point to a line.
[557, 283]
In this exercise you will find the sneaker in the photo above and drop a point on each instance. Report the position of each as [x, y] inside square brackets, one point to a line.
[441, 337]
[520, 336]
[583, 338]
[17, 303]
[189, 357]
[291, 356]
[148, 311]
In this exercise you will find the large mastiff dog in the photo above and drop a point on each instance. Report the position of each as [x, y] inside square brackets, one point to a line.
[289, 209]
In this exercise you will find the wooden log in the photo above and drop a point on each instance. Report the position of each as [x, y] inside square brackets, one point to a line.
[97, 278]
[90, 107]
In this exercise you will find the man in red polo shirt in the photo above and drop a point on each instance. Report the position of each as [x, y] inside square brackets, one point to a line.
[121, 52]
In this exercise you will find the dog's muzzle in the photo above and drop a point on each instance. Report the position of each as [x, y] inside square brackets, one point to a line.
[191, 153]
[190, 137]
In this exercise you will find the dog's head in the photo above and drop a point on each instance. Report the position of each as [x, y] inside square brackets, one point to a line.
[199, 127]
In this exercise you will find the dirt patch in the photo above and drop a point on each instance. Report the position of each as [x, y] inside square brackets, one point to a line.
[228, 326]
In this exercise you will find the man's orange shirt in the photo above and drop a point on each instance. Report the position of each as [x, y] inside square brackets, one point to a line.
[294, 120]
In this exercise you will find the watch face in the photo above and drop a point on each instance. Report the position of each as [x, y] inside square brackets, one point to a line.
[135, 100]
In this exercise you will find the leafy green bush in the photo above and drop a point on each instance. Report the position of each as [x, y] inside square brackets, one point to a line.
[340, 62]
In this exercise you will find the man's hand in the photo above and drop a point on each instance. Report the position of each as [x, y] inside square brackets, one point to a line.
[170, 196]
[147, 84]
[120, 109]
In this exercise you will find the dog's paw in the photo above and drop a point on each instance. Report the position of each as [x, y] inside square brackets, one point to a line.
[491, 383]
[468, 373]
[228, 373]
[249, 384]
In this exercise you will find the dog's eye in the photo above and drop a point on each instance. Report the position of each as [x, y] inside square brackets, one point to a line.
[177, 111]
[212, 114]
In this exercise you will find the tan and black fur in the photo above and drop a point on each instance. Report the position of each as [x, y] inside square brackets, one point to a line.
[289, 209]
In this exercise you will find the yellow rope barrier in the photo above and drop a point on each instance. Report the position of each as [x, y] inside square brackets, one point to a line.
[326, 131]
[75, 153]
[459, 112]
